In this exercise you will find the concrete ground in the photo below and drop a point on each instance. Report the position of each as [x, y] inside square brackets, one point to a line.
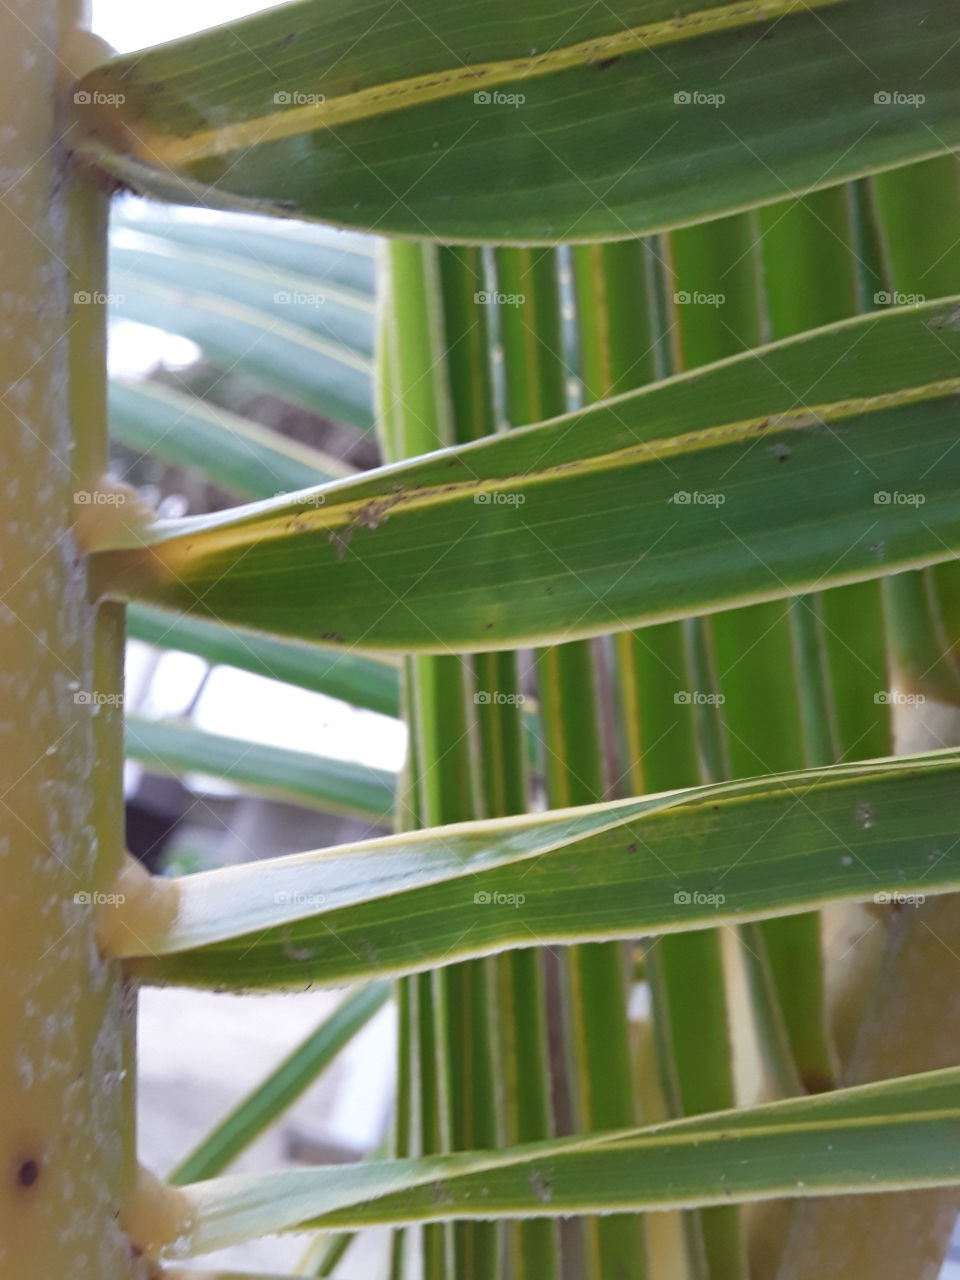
[201, 1052]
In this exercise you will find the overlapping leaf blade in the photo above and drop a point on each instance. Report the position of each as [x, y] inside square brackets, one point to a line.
[233, 452]
[336, 786]
[320, 374]
[527, 123]
[341, 259]
[893, 1135]
[365, 682]
[822, 459]
[138, 261]
[734, 851]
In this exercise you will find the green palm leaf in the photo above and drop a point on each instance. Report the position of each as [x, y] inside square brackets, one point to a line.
[689, 859]
[534, 124]
[750, 479]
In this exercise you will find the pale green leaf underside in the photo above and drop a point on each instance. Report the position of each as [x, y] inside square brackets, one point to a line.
[898, 1134]
[823, 459]
[335, 786]
[233, 452]
[686, 860]
[362, 112]
[342, 317]
[343, 259]
[318, 305]
[370, 683]
[319, 372]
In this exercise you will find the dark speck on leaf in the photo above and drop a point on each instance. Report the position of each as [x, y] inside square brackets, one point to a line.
[114, 186]
[604, 63]
[632, 848]
[374, 512]
[28, 1173]
[950, 320]
[341, 541]
[780, 451]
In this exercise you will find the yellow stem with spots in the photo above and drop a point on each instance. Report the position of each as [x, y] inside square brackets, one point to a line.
[66, 1052]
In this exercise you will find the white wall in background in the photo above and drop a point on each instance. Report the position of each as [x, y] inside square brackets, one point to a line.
[134, 26]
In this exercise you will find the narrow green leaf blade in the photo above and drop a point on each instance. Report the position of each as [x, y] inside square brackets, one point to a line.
[337, 315]
[540, 123]
[739, 482]
[368, 682]
[334, 786]
[342, 258]
[319, 373]
[897, 1134]
[686, 860]
[235, 453]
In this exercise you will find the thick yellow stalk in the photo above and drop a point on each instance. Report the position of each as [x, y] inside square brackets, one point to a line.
[909, 1023]
[911, 1026]
[66, 1133]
